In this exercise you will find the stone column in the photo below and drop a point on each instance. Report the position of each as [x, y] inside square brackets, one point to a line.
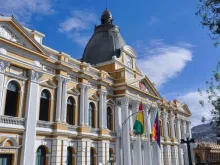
[32, 105]
[186, 162]
[64, 100]
[86, 108]
[59, 98]
[118, 124]
[126, 136]
[147, 145]
[82, 104]
[102, 95]
[105, 110]
[56, 151]
[172, 117]
[3, 66]
[161, 154]
[174, 149]
[180, 150]
[165, 129]
[167, 154]
[156, 154]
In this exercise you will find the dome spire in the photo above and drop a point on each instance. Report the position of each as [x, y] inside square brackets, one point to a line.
[106, 17]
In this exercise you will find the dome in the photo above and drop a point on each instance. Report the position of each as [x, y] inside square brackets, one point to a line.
[105, 43]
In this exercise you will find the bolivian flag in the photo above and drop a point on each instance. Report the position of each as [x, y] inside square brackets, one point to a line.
[156, 130]
[139, 123]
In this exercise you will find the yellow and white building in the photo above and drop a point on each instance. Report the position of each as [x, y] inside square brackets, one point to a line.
[56, 110]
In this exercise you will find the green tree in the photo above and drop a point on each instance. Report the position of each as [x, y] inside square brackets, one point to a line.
[212, 95]
[203, 120]
[209, 11]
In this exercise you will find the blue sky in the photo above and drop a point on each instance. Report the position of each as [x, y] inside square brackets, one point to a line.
[177, 53]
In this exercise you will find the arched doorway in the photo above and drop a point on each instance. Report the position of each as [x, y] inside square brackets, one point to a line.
[41, 156]
[11, 105]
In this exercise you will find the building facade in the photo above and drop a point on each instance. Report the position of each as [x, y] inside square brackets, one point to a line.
[56, 110]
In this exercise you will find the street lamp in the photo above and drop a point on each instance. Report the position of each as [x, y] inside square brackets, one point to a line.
[187, 142]
[111, 160]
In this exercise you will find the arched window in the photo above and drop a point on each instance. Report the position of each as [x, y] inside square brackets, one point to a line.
[69, 156]
[92, 156]
[109, 118]
[11, 105]
[92, 115]
[41, 156]
[70, 111]
[44, 105]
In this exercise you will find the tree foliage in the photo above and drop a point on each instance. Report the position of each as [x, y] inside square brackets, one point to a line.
[212, 94]
[209, 10]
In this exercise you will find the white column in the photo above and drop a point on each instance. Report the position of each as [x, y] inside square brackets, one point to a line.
[172, 116]
[86, 107]
[118, 124]
[180, 150]
[56, 151]
[64, 100]
[156, 154]
[174, 154]
[103, 149]
[147, 146]
[3, 66]
[186, 162]
[165, 129]
[101, 109]
[82, 104]
[138, 150]
[105, 109]
[59, 98]
[126, 136]
[167, 154]
[83, 149]
[32, 102]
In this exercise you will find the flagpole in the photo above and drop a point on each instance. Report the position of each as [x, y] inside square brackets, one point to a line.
[139, 150]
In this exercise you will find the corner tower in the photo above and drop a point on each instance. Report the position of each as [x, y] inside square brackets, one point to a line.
[105, 43]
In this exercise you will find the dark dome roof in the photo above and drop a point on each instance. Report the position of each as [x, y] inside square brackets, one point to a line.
[105, 42]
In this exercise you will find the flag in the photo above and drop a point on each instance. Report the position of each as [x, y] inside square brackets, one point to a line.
[139, 122]
[156, 130]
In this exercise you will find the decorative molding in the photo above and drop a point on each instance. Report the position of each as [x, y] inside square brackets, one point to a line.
[3, 51]
[3, 65]
[34, 75]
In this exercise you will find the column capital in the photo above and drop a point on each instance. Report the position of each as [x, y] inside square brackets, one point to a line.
[84, 86]
[102, 92]
[163, 114]
[125, 101]
[3, 65]
[34, 75]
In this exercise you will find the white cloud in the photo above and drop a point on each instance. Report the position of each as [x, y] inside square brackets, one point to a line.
[78, 25]
[192, 100]
[24, 9]
[161, 62]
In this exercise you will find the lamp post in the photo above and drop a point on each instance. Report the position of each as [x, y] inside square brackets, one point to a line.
[111, 160]
[187, 142]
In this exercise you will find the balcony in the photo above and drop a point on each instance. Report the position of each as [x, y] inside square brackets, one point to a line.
[12, 122]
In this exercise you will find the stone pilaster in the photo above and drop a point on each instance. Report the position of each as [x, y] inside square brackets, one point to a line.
[161, 154]
[3, 66]
[172, 117]
[59, 98]
[56, 151]
[105, 110]
[32, 106]
[103, 150]
[83, 152]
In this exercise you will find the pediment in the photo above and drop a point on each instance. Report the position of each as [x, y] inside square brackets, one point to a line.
[12, 31]
[73, 91]
[48, 83]
[182, 107]
[94, 97]
[144, 84]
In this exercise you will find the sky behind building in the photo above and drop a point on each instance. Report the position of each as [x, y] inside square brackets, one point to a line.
[174, 51]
